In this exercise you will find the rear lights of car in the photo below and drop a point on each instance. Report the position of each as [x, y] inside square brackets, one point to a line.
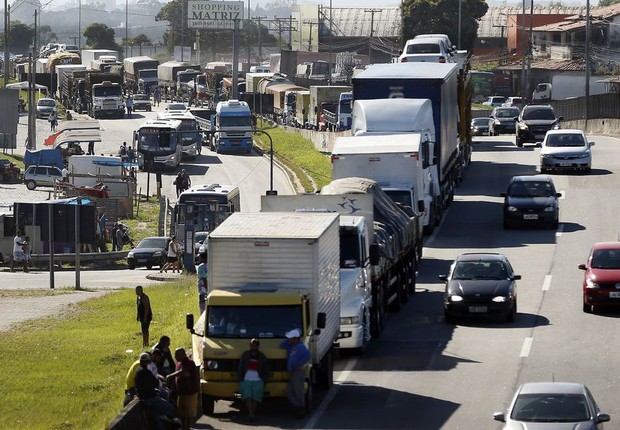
[403, 60]
[442, 59]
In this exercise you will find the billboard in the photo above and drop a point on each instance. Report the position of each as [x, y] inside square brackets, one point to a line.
[213, 15]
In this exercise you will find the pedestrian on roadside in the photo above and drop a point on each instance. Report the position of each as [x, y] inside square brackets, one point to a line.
[26, 248]
[202, 271]
[187, 181]
[253, 375]
[297, 357]
[18, 252]
[120, 238]
[91, 148]
[146, 387]
[129, 105]
[53, 120]
[167, 365]
[157, 96]
[173, 253]
[131, 154]
[64, 174]
[187, 385]
[178, 183]
[144, 314]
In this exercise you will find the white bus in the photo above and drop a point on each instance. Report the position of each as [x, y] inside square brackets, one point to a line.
[191, 137]
[158, 144]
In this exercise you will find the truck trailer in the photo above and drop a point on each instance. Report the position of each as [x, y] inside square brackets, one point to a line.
[320, 96]
[140, 73]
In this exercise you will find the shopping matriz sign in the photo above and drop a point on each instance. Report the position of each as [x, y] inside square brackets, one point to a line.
[213, 15]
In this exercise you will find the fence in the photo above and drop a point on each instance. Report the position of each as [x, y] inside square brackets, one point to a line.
[600, 106]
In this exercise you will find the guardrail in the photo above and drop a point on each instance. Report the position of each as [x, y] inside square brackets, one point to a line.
[99, 258]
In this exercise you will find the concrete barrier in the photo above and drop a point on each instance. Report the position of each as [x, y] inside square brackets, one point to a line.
[130, 418]
[98, 258]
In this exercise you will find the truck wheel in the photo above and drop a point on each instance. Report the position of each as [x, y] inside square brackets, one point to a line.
[519, 142]
[208, 405]
[309, 396]
[395, 305]
[412, 278]
[377, 315]
[404, 285]
[366, 336]
[326, 372]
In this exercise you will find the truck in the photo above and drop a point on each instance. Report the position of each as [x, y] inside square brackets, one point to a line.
[269, 273]
[437, 82]
[204, 117]
[404, 126]
[321, 95]
[187, 85]
[63, 71]
[302, 101]
[566, 86]
[338, 115]
[61, 58]
[395, 245]
[141, 73]
[167, 75]
[233, 127]
[103, 95]
[89, 55]
[355, 289]
[104, 63]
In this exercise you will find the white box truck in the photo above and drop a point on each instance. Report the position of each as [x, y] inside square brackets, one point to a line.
[269, 272]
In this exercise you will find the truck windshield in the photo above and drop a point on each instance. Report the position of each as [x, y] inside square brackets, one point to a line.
[148, 74]
[185, 78]
[107, 91]
[235, 121]
[252, 321]
[400, 196]
[349, 249]
[345, 106]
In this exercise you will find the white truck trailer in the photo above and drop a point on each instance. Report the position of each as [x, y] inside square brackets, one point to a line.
[269, 273]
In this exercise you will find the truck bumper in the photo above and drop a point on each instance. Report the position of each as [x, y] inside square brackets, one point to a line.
[350, 336]
[230, 390]
[234, 145]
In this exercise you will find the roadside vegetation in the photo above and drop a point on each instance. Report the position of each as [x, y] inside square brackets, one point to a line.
[68, 372]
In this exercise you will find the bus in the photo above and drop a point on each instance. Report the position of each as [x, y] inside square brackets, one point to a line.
[158, 144]
[208, 205]
[191, 138]
[482, 84]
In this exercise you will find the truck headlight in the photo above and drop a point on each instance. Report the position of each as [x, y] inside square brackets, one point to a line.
[456, 298]
[523, 126]
[349, 320]
[212, 365]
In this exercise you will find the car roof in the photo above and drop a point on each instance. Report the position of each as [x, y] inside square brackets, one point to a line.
[481, 117]
[537, 107]
[481, 256]
[606, 245]
[566, 131]
[531, 178]
[552, 387]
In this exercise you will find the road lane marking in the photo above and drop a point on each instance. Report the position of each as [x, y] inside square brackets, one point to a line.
[343, 377]
[527, 345]
[546, 283]
[560, 230]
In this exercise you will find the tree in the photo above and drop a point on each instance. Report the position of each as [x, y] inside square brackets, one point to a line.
[141, 39]
[603, 3]
[20, 38]
[46, 35]
[100, 36]
[442, 16]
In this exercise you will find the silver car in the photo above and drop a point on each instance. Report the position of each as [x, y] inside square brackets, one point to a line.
[41, 176]
[566, 150]
[553, 406]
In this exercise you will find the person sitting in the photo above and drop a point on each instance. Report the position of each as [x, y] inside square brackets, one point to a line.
[147, 386]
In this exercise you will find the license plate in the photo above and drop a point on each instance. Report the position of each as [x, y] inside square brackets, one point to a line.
[530, 216]
[539, 136]
[141, 260]
[565, 164]
[477, 309]
[614, 294]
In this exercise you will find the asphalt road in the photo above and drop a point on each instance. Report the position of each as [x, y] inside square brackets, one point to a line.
[425, 374]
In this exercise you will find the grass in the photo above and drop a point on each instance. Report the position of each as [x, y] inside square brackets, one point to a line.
[68, 372]
[16, 159]
[144, 223]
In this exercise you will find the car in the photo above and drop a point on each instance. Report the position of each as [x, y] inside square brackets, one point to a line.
[41, 176]
[480, 284]
[602, 276]
[428, 49]
[534, 122]
[45, 106]
[567, 149]
[517, 102]
[151, 251]
[444, 37]
[494, 101]
[553, 406]
[141, 102]
[177, 107]
[201, 239]
[480, 126]
[531, 200]
[503, 120]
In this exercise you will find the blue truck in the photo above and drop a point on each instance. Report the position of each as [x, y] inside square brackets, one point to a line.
[233, 127]
[437, 82]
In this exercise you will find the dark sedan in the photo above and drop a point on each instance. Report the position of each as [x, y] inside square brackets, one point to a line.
[531, 200]
[480, 284]
[480, 126]
[151, 251]
[601, 280]
[503, 120]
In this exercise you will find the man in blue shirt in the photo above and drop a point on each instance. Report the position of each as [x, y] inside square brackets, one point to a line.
[297, 357]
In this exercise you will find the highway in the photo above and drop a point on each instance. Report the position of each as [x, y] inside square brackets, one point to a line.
[425, 374]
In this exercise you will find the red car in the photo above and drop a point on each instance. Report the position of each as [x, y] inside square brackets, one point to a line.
[601, 281]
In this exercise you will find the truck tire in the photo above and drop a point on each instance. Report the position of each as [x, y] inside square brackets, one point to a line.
[325, 376]
[208, 405]
[404, 285]
[309, 396]
[366, 335]
[377, 314]
[412, 278]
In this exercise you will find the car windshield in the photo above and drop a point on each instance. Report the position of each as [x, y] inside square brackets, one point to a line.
[559, 140]
[539, 114]
[252, 321]
[548, 408]
[506, 113]
[465, 270]
[140, 97]
[200, 237]
[606, 259]
[46, 103]
[177, 106]
[531, 189]
[481, 121]
[423, 48]
[153, 242]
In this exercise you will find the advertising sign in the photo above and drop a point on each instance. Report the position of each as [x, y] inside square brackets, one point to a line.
[213, 15]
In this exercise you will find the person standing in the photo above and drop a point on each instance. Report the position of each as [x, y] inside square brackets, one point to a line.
[253, 375]
[297, 357]
[178, 183]
[187, 181]
[64, 174]
[146, 386]
[53, 119]
[129, 105]
[91, 148]
[187, 385]
[201, 272]
[18, 252]
[120, 238]
[173, 256]
[157, 96]
[144, 314]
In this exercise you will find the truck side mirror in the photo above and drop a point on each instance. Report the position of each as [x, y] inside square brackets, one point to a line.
[321, 320]
[189, 321]
[421, 206]
[373, 252]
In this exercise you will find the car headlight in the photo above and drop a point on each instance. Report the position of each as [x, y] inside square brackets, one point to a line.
[349, 320]
[591, 284]
[584, 155]
[556, 126]
[130, 254]
[523, 126]
[157, 254]
[500, 299]
[212, 364]
[512, 209]
[546, 156]
[456, 298]
[550, 208]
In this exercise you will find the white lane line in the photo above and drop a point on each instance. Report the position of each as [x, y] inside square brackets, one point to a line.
[343, 377]
[560, 230]
[527, 345]
[546, 283]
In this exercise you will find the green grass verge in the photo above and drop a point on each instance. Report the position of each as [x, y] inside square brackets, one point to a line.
[68, 372]
[144, 223]
[16, 159]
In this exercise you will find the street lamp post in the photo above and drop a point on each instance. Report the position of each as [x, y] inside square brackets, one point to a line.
[523, 42]
[587, 93]
[271, 191]
[460, 15]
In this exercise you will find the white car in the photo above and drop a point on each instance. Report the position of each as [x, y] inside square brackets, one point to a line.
[494, 101]
[427, 49]
[177, 107]
[566, 150]
[37, 176]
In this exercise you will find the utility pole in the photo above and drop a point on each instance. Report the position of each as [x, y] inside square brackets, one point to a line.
[283, 25]
[182, 29]
[372, 25]
[530, 49]
[79, 44]
[311, 23]
[329, 64]
[32, 119]
[587, 93]
[7, 21]
[290, 32]
[524, 93]
[127, 28]
[260, 45]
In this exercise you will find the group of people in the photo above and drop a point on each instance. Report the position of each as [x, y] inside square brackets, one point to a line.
[21, 251]
[127, 153]
[120, 236]
[182, 181]
[173, 256]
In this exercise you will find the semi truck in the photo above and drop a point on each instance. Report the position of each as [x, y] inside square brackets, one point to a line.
[103, 95]
[355, 289]
[104, 63]
[321, 95]
[167, 75]
[61, 58]
[141, 73]
[404, 126]
[338, 115]
[89, 55]
[63, 71]
[302, 102]
[233, 127]
[269, 273]
[437, 82]
[395, 245]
